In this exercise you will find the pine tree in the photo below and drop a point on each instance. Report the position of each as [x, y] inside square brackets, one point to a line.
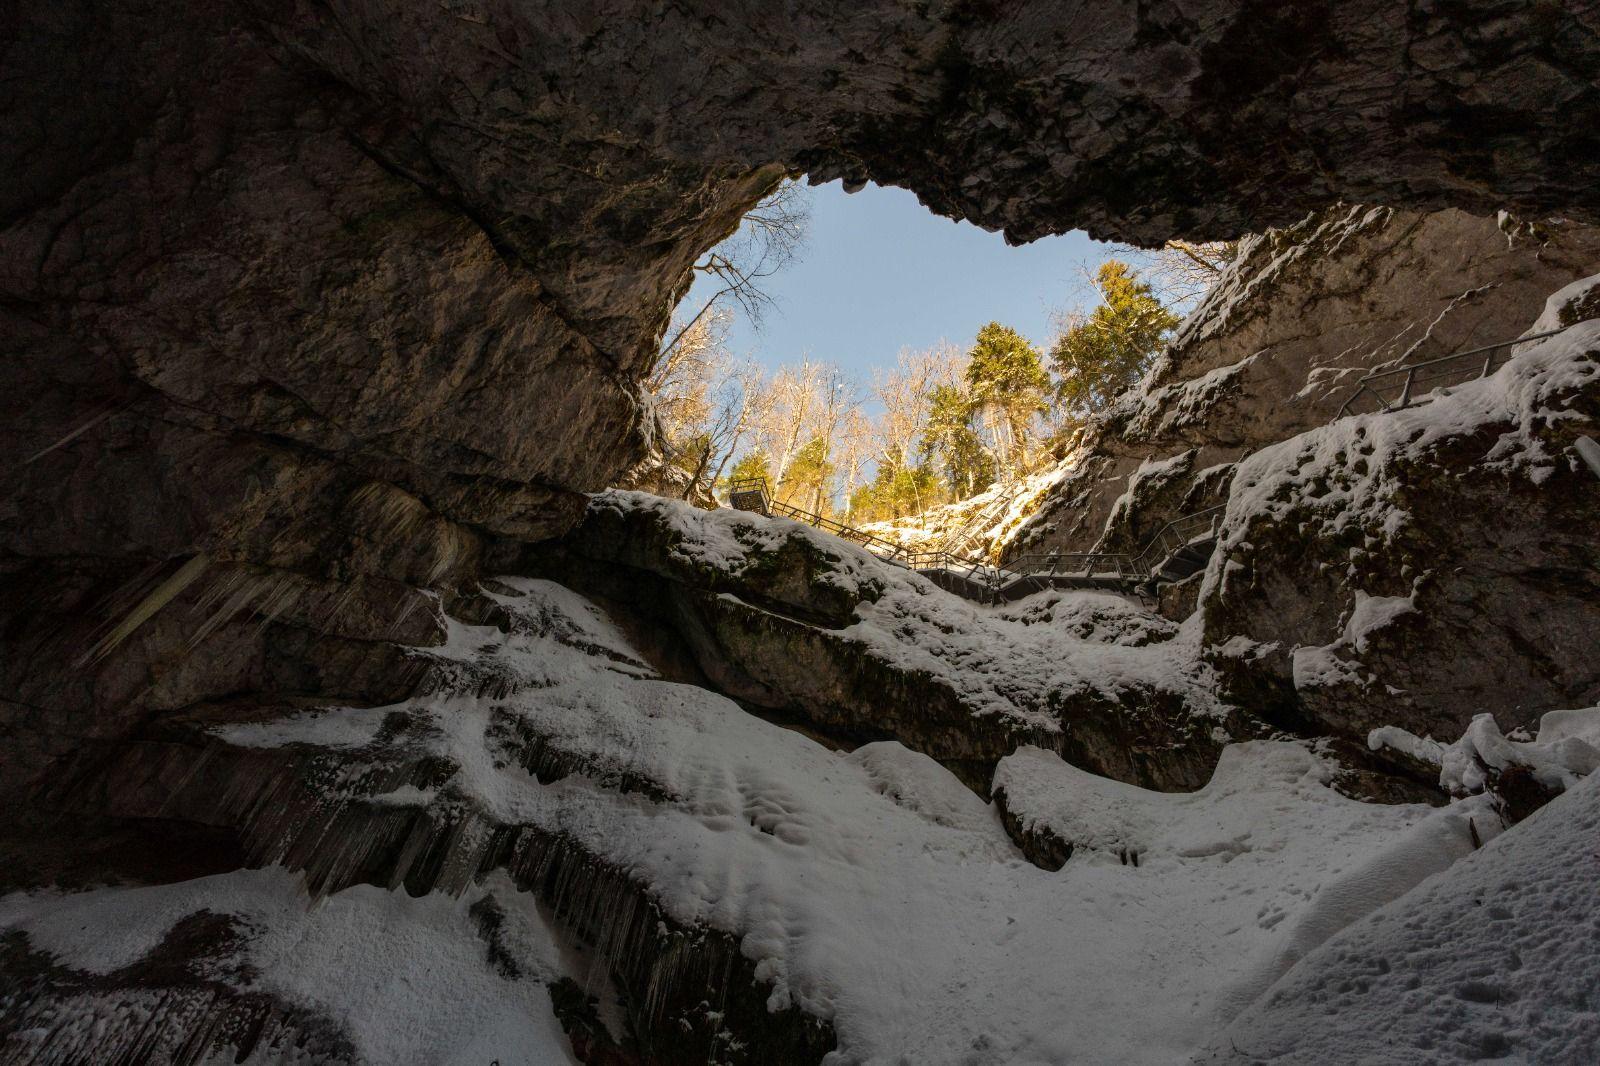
[1007, 383]
[952, 441]
[1100, 356]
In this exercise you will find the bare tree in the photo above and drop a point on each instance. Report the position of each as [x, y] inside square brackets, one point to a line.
[790, 413]
[1181, 272]
[906, 395]
[857, 446]
[706, 402]
[743, 399]
[685, 373]
[838, 398]
[770, 237]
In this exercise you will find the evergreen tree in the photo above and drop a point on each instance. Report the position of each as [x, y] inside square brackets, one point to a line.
[1007, 382]
[1100, 356]
[952, 441]
[894, 492]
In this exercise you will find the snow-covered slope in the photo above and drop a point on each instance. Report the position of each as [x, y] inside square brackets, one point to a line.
[1496, 960]
[402, 980]
[870, 889]
[978, 526]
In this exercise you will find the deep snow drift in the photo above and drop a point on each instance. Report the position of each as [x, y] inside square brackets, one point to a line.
[406, 980]
[1498, 960]
[871, 888]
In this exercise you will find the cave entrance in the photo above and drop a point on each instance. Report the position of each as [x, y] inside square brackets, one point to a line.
[874, 363]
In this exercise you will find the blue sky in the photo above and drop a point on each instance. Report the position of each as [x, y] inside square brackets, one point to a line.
[880, 272]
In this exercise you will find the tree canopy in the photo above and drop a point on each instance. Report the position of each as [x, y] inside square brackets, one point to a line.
[942, 424]
[1008, 386]
[951, 440]
[1099, 356]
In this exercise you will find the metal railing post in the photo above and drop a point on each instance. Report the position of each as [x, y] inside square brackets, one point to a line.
[1405, 392]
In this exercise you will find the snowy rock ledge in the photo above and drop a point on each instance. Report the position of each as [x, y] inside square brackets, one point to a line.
[782, 617]
[1278, 343]
[1522, 774]
[1417, 567]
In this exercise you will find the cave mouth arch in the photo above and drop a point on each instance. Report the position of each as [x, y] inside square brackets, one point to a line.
[334, 309]
[272, 256]
[843, 312]
[876, 271]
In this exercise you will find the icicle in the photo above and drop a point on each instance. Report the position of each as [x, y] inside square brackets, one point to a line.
[147, 608]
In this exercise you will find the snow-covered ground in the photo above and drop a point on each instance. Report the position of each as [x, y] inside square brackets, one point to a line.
[405, 979]
[1266, 918]
[1496, 961]
[870, 888]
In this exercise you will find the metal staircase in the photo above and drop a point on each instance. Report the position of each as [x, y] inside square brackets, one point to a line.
[1179, 549]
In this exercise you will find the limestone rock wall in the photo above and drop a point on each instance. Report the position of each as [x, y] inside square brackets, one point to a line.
[1277, 347]
[1421, 567]
[260, 263]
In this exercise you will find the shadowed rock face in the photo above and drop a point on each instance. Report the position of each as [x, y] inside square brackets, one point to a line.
[297, 288]
[1490, 575]
[266, 250]
[1495, 569]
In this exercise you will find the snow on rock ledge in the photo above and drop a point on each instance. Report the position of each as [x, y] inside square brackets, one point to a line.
[1278, 343]
[366, 975]
[1416, 567]
[1522, 774]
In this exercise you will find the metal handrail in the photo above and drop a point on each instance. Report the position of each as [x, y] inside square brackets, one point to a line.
[1125, 565]
[1409, 371]
[1166, 540]
[834, 526]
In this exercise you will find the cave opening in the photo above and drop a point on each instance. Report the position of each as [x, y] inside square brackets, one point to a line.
[873, 361]
[347, 714]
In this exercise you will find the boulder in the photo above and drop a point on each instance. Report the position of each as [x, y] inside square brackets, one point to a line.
[1420, 567]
